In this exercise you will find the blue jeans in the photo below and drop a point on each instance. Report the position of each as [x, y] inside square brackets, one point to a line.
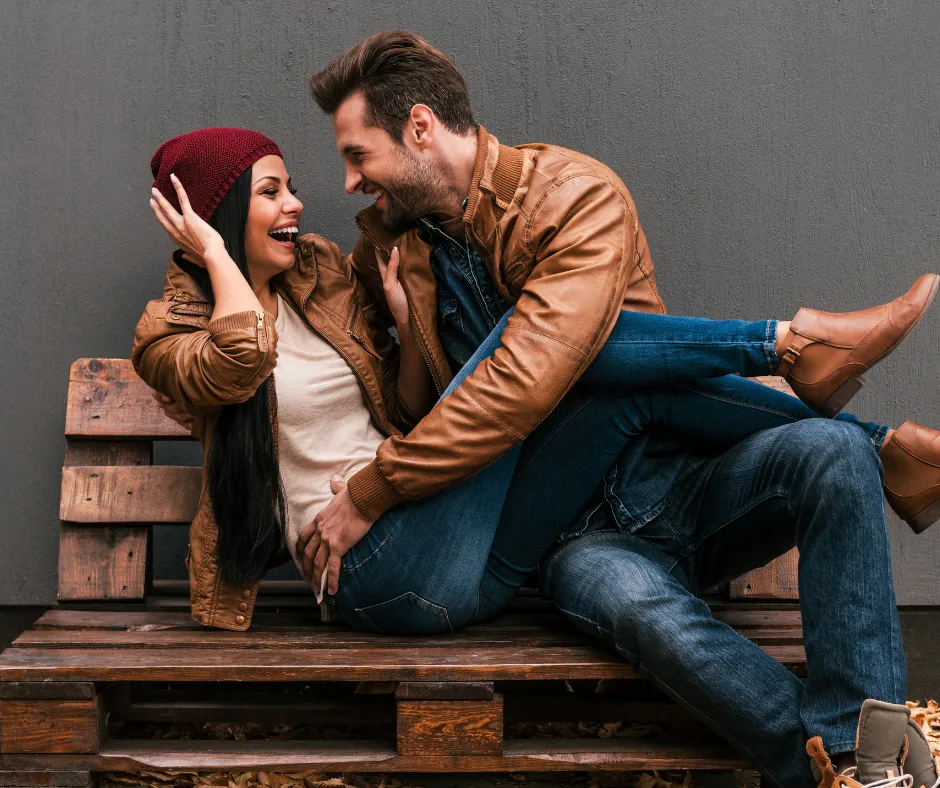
[460, 555]
[815, 484]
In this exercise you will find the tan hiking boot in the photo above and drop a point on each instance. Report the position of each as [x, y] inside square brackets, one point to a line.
[827, 352]
[911, 461]
[880, 749]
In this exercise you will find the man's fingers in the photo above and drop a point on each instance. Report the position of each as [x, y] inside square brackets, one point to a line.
[393, 266]
[332, 580]
[307, 548]
[337, 484]
[322, 559]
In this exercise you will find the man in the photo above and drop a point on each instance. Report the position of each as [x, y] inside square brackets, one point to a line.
[479, 227]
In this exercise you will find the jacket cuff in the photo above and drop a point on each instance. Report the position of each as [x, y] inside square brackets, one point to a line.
[371, 492]
[233, 322]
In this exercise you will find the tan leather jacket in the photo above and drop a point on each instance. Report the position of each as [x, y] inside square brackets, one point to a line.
[559, 234]
[205, 364]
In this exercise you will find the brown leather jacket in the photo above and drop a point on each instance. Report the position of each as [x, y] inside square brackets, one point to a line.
[205, 364]
[559, 234]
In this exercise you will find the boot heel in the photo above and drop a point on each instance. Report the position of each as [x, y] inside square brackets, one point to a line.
[841, 396]
[921, 521]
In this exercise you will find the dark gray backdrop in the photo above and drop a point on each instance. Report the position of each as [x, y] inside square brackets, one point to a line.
[780, 154]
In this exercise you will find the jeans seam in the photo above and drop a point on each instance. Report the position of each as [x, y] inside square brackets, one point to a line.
[743, 403]
[361, 611]
[770, 346]
[520, 471]
[879, 437]
[704, 716]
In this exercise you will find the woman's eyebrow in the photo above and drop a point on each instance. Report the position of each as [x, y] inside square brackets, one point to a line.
[267, 178]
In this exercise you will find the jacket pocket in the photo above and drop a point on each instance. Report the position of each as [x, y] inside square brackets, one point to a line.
[408, 614]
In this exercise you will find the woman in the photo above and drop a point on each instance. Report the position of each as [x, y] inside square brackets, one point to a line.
[245, 290]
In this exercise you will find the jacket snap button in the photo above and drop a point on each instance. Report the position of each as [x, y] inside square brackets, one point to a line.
[176, 317]
[243, 606]
[246, 593]
[239, 619]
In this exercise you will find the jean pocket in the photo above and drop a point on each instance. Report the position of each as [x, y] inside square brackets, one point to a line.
[408, 614]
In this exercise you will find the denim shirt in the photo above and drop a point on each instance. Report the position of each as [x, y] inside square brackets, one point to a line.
[468, 306]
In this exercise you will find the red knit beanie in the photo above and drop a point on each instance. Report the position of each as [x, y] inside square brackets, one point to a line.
[207, 163]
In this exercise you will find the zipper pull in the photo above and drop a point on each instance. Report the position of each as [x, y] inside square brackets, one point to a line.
[260, 320]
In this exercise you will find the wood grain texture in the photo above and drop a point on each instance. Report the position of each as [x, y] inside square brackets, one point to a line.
[364, 756]
[47, 690]
[163, 494]
[53, 726]
[107, 399]
[339, 637]
[105, 562]
[777, 580]
[450, 727]
[102, 563]
[740, 616]
[443, 663]
[444, 690]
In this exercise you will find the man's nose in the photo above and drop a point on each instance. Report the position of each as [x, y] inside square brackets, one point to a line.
[353, 180]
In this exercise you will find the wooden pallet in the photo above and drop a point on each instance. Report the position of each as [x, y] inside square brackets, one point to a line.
[122, 650]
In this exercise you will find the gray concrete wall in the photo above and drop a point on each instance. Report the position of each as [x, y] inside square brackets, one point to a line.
[780, 154]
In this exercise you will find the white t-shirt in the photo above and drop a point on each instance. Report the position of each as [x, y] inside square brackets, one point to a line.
[324, 426]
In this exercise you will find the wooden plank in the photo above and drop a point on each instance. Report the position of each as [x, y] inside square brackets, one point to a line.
[524, 755]
[107, 399]
[444, 690]
[47, 690]
[777, 580]
[444, 663]
[53, 725]
[107, 562]
[60, 618]
[340, 637]
[164, 494]
[450, 727]
[46, 779]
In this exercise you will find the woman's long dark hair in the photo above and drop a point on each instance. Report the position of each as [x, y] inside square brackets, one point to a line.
[241, 461]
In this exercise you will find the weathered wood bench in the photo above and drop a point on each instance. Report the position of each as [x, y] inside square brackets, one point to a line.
[121, 650]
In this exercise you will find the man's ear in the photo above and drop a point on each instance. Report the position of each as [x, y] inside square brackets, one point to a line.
[421, 127]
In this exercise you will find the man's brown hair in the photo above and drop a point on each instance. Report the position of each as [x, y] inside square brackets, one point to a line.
[395, 70]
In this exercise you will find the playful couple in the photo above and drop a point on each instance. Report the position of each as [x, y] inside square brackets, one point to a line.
[538, 410]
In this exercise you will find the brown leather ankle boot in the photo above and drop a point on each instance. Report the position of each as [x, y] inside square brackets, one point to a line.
[827, 352]
[911, 461]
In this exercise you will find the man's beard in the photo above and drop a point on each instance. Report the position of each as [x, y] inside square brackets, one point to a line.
[416, 192]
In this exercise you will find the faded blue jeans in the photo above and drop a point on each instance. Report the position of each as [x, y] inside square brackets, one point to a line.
[814, 484]
[459, 556]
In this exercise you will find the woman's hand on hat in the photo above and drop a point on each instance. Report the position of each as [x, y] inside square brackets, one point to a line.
[199, 241]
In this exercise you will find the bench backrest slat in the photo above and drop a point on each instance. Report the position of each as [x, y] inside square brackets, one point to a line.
[107, 400]
[126, 494]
